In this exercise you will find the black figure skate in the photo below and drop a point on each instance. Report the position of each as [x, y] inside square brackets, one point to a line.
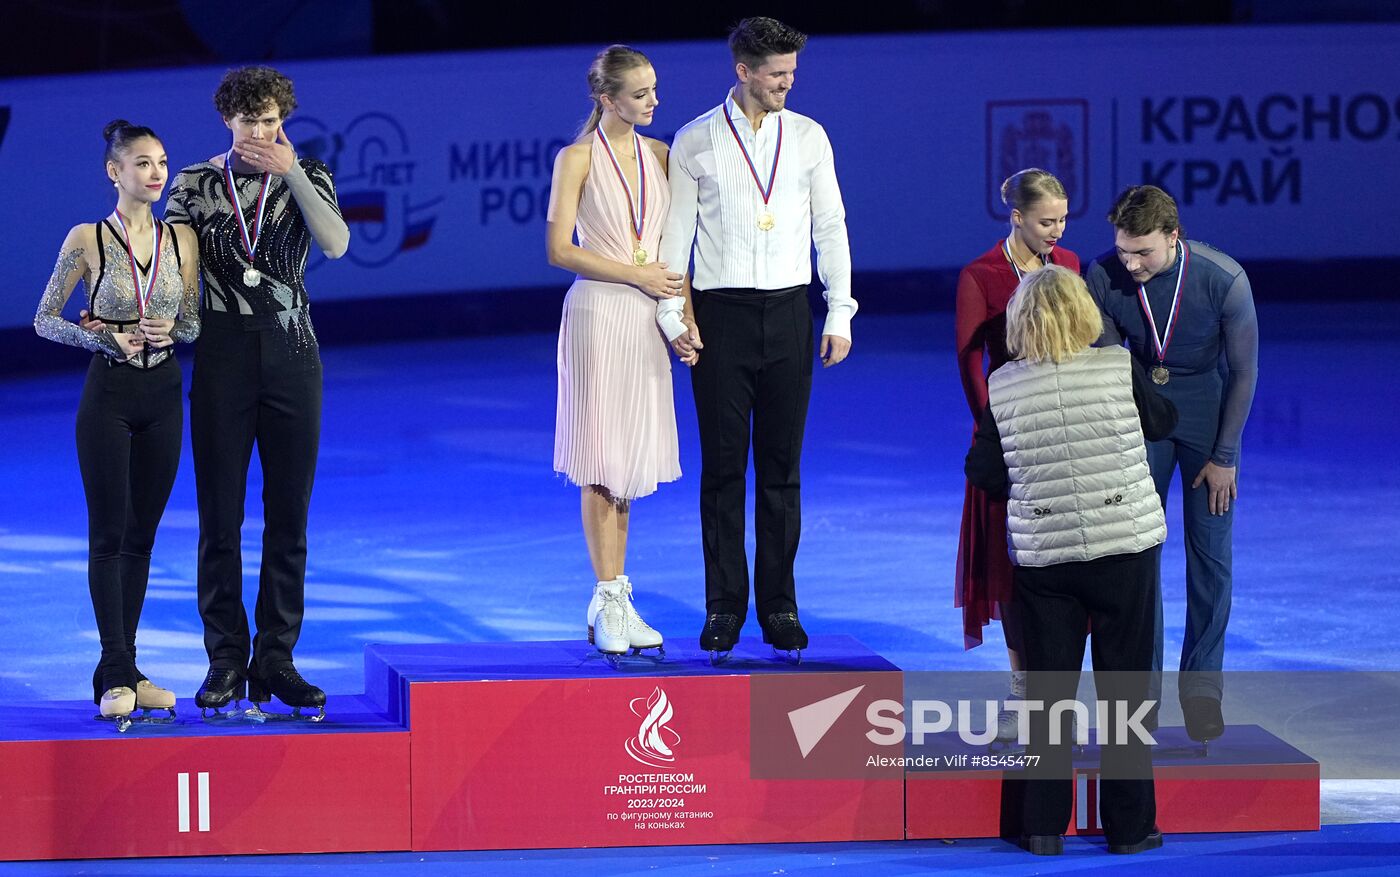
[287, 685]
[719, 636]
[222, 686]
[784, 632]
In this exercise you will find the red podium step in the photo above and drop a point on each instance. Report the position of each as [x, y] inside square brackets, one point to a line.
[72, 788]
[540, 745]
[1249, 781]
[535, 745]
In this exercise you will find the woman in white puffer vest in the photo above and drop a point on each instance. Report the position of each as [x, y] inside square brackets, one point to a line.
[1063, 440]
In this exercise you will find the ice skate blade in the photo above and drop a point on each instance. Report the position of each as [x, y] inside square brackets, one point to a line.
[791, 656]
[121, 723]
[718, 656]
[142, 716]
[296, 715]
[236, 714]
[618, 660]
[152, 715]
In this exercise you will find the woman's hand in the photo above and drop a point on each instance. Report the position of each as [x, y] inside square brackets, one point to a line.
[89, 322]
[656, 281]
[129, 343]
[157, 332]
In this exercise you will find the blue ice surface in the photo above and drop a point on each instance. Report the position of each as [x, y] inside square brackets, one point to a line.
[437, 519]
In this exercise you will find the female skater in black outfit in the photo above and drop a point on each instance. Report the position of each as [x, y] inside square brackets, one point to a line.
[142, 279]
[257, 380]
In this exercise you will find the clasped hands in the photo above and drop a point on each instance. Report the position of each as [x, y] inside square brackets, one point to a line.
[149, 332]
[687, 346]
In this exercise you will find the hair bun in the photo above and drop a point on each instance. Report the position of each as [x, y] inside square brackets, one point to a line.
[113, 127]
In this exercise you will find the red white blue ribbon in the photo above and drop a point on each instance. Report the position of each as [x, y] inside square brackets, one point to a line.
[250, 241]
[1160, 342]
[777, 153]
[146, 290]
[636, 207]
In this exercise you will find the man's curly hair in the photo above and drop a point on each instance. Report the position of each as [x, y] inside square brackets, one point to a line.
[246, 91]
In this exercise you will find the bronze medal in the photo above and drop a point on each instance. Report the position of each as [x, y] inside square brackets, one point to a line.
[1160, 375]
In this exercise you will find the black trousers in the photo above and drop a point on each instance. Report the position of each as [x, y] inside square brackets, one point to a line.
[1115, 597]
[752, 383]
[130, 423]
[252, 385]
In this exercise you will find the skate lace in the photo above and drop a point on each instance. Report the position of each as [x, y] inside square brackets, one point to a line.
[291, 675]
[780, 621]
[633, 617]
[618, 619]
[722, 622]
[219, 677]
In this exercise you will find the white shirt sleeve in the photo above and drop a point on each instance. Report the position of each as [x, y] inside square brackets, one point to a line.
[678, 235]
[831, 242]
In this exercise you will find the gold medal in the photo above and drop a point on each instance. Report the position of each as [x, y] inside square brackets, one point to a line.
[252, 277]
[1160, 375]
[765, 219]
[636, 207]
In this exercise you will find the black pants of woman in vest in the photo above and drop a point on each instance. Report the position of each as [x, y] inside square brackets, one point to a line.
[130, 422]
[1115, 598]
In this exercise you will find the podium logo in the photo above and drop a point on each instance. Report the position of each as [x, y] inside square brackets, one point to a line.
[811, 722]
[654, 739]
[182, 794]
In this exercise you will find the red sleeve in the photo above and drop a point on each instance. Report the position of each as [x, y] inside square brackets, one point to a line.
[970, 325]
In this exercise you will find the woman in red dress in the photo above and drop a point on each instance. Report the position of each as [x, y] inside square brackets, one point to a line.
[1038, 207]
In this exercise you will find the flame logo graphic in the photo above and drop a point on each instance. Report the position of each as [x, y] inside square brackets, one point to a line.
[654, 739]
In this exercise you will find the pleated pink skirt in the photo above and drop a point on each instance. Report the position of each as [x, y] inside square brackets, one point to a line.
[615, 419]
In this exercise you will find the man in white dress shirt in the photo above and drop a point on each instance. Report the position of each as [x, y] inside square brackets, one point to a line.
[753, 188]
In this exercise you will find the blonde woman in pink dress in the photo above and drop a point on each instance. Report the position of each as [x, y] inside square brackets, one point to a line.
[615, 426]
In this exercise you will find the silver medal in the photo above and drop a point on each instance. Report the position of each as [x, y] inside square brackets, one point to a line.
[252, 277]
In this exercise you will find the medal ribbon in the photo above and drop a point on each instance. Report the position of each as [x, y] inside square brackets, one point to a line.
[143, 292]
[1161, 343]
[637, 215]
[250, 242]
[1006, 248]
[777, 153]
